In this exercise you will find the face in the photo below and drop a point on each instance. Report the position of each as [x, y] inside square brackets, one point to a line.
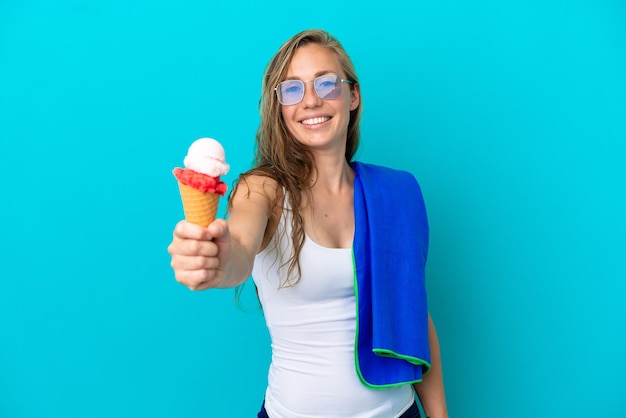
[319, 124]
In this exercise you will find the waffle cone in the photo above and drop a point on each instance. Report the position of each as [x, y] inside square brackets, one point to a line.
[200, 208]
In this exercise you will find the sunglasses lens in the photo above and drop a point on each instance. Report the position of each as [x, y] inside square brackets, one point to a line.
[328, 87]
[290, 92]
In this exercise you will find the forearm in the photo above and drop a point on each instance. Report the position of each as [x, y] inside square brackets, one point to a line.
[430, 390]
[238, 266]
[248, 220]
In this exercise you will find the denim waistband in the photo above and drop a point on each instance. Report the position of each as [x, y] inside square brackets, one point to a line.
[412, 412]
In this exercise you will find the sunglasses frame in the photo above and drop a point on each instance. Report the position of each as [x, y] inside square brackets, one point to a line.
[340, 80]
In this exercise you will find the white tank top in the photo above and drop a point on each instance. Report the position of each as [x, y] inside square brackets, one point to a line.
[312, 326]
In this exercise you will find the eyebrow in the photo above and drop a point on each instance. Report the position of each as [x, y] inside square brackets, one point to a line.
[317, 74]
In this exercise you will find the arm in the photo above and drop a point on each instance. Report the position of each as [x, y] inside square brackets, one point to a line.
[222, 254]
[430, 390]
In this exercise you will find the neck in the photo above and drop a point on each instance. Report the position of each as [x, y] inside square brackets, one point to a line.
[332, 173]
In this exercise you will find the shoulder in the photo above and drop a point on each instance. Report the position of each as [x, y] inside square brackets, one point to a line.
[257, 194]
[249, 185]
[387, 175]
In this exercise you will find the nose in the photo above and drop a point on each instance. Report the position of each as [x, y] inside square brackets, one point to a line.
[310, 99]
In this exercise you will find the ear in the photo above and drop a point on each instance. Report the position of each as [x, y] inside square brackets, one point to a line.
[355, 96]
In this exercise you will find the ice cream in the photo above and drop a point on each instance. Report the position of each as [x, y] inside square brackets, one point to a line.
[199, 182]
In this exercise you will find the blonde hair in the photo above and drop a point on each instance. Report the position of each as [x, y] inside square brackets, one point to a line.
[280, 156]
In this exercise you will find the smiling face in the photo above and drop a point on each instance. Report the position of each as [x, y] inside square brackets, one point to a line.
[316, 123]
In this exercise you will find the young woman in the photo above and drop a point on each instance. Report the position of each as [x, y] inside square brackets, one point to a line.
[294, 220]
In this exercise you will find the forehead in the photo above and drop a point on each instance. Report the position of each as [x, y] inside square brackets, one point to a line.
[312, 60]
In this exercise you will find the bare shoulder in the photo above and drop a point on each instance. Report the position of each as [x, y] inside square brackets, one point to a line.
[256, 188]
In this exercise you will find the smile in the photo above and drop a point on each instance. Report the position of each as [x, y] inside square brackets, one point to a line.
[315, 121]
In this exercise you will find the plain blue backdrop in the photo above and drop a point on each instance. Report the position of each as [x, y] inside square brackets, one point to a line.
[510, 114]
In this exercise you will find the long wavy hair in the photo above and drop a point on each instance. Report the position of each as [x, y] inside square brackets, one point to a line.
[280, 156]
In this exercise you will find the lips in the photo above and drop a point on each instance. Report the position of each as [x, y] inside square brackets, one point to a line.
[315, 120]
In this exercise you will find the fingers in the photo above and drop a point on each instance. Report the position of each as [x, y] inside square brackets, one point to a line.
[198, 279]
[196, 272]
[217, 229]
[191, 240]
[188, 230]
[194, 251]
[192, 247]
[192, 263]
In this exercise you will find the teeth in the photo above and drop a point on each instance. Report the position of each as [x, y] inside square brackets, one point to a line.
[314, 121]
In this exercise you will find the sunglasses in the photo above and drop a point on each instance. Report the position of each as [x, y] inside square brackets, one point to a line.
[327, 87]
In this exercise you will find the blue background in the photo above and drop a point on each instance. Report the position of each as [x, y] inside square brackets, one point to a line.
[510, 114]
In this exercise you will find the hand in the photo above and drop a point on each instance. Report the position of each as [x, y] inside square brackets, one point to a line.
[199, 255]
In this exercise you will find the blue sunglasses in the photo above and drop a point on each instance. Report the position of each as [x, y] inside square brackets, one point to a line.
[327, 87]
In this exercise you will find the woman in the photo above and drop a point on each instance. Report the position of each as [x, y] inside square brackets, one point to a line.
[291, 226]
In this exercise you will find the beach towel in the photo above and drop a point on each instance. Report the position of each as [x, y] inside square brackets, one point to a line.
[389, 256]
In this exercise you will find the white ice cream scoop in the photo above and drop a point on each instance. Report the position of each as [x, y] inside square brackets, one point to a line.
[207, 156]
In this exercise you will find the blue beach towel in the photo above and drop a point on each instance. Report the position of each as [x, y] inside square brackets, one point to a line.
[390, 249]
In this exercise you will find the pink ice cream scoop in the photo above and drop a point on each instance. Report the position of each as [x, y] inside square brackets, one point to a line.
[207, 156]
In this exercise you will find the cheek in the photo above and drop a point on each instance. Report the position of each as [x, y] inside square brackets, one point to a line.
[287, 113]
[346, 106]
[286, 110]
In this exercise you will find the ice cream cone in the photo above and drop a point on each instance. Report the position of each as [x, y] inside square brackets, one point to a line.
[200, 208]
